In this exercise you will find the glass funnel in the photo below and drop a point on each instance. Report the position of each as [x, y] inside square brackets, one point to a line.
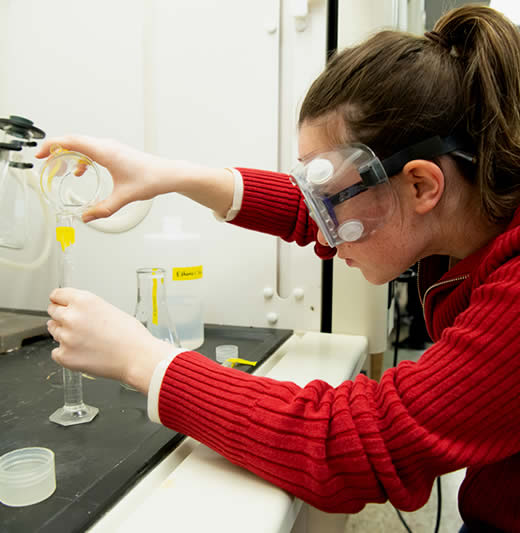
[70, 182]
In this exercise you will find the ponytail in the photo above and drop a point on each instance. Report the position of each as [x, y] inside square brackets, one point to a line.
[488, 46]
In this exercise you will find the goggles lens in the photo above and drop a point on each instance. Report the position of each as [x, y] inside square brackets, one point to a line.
[347, 192]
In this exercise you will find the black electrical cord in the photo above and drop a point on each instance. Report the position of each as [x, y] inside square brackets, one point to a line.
[396, 356]
[403, 521]
[439, 506]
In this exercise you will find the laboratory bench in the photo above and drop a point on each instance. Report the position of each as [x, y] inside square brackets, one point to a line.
[121, 472]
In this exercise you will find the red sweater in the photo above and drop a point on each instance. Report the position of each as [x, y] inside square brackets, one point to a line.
[340, 448]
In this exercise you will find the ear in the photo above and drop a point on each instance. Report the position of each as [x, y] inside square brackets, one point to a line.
[425, 182]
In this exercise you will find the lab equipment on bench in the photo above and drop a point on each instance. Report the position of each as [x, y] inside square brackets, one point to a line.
[151, 308]
[16, 176]
[225, 351]
[179, 254]
[18, 133]
[27, 476]
[70, 182]
[227, 355]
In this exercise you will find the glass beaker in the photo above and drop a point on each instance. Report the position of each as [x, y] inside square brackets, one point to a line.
[70, 181]
[151, 308]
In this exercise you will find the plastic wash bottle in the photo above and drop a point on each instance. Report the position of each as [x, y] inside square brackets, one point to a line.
[180, 255]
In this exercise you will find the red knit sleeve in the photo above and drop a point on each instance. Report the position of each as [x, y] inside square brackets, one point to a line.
[339, 448]
[272, 204]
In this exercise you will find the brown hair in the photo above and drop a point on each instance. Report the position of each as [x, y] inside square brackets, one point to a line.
[396, 89]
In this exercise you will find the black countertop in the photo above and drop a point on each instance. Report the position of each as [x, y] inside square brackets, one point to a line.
[96, 463]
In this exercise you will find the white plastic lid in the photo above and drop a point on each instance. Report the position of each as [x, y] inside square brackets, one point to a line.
[226, 351]
[27, 476]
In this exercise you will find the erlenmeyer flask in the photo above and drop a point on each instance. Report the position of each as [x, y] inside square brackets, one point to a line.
[151, 308]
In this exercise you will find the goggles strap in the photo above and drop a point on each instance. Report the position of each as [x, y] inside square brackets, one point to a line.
[347, 193]
[427, 149]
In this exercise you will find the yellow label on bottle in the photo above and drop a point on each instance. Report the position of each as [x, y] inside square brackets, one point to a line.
[155, 312]
[186, 273]
[65, 236]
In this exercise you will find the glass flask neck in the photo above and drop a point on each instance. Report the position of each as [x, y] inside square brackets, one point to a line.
[151, 309]
[150, 286]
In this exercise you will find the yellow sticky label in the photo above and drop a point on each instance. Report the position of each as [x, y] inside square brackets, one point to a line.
[65, 236]
[238, 361]
[155, 312]
[186, 273]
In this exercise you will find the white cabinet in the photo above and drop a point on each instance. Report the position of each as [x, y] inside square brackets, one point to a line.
[190, 80]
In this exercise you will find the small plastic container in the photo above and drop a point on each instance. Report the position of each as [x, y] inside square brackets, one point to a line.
[27, 476]
[226, 351]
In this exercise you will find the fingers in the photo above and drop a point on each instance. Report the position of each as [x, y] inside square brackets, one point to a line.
[52, 327]
[81, 168]
[55, 312]
[79, 143]
[59, 356]
[58, 332]
[103, 209]
[56, 355]
[100, 210]
[62, 296]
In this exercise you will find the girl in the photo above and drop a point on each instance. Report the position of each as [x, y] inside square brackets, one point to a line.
[409, 151]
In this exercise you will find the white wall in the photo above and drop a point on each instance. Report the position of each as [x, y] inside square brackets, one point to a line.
[191, 80]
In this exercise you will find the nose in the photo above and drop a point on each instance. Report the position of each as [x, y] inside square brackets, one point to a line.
[321, 239]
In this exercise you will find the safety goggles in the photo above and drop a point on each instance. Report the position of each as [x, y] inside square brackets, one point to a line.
[347, 190]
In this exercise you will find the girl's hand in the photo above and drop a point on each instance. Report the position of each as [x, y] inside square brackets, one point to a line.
[100, 339]
[140, 176]
[136, 175]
